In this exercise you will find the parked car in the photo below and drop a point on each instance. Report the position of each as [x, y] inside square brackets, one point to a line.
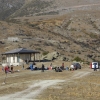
[77, 66]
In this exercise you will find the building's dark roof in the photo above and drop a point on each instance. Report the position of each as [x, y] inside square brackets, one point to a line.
[20, 51]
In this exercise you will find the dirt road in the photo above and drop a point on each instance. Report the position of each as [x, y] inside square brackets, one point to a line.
[38, 86]
[71, 8]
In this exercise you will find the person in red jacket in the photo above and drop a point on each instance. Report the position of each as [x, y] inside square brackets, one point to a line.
[6, 69]
[62, 66]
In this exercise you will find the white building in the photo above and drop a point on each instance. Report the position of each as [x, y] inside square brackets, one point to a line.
[18, 56]
[13, 39]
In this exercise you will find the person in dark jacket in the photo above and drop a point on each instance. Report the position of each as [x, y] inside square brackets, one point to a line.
[42, 67]
[11, 68]
[95, 69]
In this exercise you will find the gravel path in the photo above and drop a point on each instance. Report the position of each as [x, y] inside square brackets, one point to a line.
[39, 86]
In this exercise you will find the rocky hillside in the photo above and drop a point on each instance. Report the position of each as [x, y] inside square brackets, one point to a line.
[70, 28]
[76, 37]
[81, 30]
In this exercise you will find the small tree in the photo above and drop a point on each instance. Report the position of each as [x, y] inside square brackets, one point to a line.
[77, 59]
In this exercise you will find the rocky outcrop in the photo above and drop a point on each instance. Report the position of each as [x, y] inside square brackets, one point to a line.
[53, 56]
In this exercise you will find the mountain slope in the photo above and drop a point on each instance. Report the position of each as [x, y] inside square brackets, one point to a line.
[8, 7]
[55, 7]
[72, 36]
[19, 8]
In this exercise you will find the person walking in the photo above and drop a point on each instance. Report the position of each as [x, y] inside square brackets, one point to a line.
[6, 69]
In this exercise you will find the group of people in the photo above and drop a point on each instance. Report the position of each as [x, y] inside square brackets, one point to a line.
[57, 69]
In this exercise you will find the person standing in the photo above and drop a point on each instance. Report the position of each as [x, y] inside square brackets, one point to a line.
[51, 64]
[50, 67]
[23, 66]
[42, 67]
[62, 66]
[95, 69]
[11, 68]
[6, 69]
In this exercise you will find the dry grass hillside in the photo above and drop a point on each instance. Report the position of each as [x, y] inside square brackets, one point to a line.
[74, 33]
[70, 27]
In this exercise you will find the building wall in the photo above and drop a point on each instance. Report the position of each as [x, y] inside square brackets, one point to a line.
[17, 58]
[37, 56]
[24, 57]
